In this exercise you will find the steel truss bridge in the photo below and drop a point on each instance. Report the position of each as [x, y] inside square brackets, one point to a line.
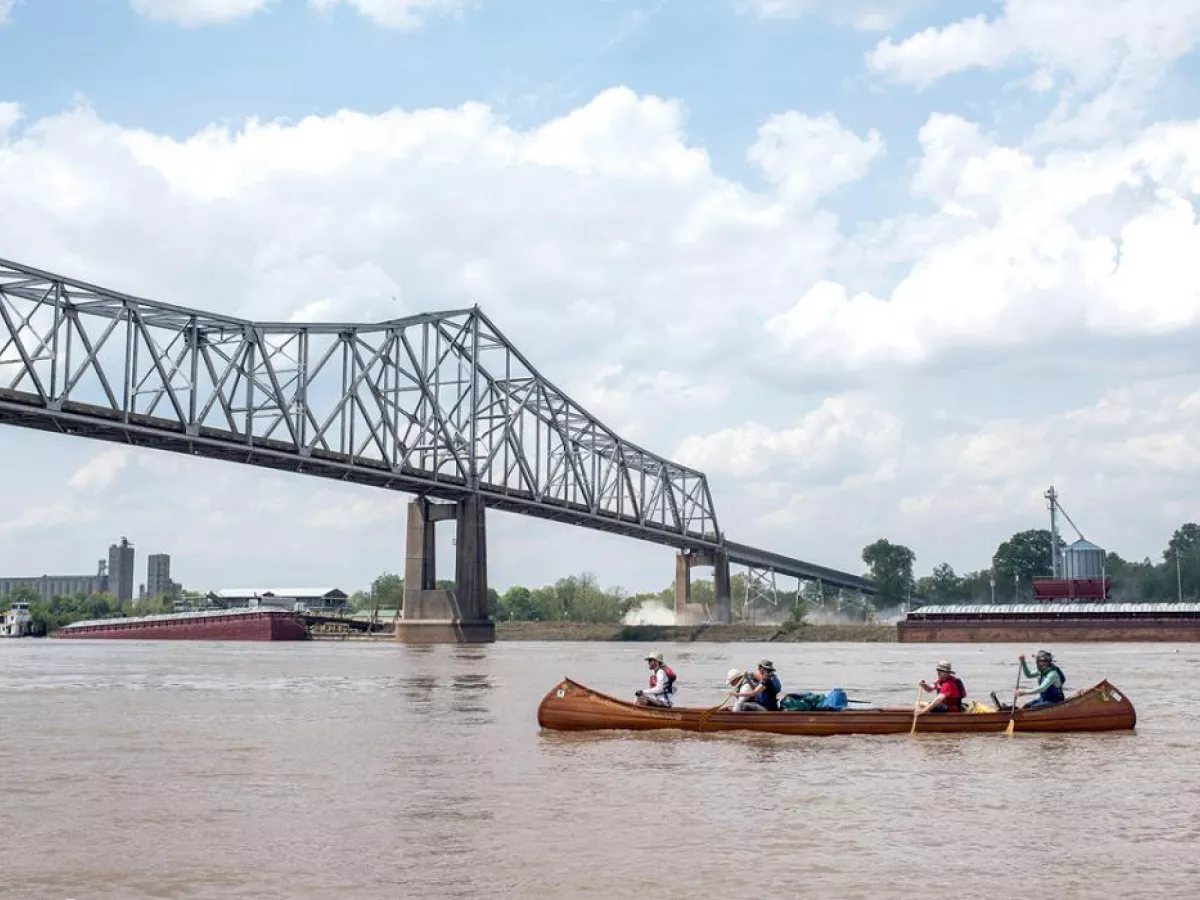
[441, 405]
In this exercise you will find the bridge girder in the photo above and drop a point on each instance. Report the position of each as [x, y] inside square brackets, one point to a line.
[439, 404]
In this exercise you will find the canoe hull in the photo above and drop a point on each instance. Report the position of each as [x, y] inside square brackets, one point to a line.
[570, 706]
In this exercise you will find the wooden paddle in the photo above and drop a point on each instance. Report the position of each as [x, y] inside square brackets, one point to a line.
[1012, 719]
[707, 714]
[916, 710]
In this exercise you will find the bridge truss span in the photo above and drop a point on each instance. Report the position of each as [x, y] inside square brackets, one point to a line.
[439, 404]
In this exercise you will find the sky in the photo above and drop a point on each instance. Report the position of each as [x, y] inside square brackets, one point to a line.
[879, 268]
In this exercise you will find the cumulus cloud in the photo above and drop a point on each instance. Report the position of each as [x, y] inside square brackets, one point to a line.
[632, 272]
[860, 468]
[192, 13]
[602, 229]
[808, 157]
[843, 435]
[1070, 249]
[1107, 459]
[401, 14]
[1109, 54]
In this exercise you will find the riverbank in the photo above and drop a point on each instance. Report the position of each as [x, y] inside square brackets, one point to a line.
[718, 634]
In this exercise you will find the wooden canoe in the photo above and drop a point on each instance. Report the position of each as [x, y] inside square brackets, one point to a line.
[569, 706]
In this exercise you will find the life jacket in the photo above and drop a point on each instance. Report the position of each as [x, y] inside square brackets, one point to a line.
[1054, 693]
[670, 685]
[954, 704]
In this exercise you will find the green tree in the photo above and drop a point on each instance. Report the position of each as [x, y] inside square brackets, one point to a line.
[891, 568]
[518, 602]
[1182, 561]
[22, 593]
[940, 586]
[976, 587]
[1024, 556]
[387, 590]
[496, 608]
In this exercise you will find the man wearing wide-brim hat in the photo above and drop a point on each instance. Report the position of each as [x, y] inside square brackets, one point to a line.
[949, 689]
[662, 681]
[764, 697]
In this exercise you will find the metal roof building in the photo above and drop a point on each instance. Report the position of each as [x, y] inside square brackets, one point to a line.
[313, 598]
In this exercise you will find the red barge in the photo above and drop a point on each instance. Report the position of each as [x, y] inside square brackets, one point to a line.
[260, 624]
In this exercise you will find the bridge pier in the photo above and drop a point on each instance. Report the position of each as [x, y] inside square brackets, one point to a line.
[689, 613]
[434, 615]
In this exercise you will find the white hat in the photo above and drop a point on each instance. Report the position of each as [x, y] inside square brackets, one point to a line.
[733, 675]
[944, 666]
[657, 657]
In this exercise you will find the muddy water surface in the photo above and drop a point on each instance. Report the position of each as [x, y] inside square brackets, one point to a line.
[321, 770]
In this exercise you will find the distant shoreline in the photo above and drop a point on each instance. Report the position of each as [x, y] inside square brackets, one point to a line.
[716, 634]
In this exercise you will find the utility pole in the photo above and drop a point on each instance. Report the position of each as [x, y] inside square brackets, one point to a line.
[1055, 557]
[1178, 576]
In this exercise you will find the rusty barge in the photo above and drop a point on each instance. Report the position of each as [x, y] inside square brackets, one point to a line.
[254, 624]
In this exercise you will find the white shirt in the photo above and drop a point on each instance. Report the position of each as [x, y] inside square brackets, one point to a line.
[660, 686]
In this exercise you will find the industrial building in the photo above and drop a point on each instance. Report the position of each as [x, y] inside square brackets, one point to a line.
[158, 578]
[321, 600]
[120, 570]
[49, 586]
[113, 576]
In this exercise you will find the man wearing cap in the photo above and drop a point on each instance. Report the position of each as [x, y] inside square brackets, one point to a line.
[1049, 689]
[949, 689]
[764, 693]
[661, 683]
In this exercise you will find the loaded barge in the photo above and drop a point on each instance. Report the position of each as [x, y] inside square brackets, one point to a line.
[1051, 623]
[256, 624]
[1073, 604]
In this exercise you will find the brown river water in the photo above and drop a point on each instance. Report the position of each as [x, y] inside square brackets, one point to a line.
[348, 770]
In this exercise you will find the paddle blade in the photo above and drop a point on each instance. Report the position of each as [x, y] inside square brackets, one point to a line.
[1009, 728]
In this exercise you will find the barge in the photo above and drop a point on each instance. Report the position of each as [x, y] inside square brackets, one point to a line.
[1051, 623]
[250, 624]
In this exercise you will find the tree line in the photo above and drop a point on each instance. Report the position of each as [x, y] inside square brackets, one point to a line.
[48, 615]
[1025, 556]
[581, 598]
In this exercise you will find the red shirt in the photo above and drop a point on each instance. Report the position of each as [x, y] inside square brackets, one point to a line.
[948, 687]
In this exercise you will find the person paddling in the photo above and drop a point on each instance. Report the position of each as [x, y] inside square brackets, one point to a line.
[1050, 677]
[763, 695]
[949, 689]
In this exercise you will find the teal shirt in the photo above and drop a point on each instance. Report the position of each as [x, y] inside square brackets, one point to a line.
[1048, 680]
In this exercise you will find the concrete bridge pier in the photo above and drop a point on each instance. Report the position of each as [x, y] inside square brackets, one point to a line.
[434, 615]
[689, 613]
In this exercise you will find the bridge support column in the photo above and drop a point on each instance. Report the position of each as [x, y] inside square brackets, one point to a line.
[689, 613]
[434, 615]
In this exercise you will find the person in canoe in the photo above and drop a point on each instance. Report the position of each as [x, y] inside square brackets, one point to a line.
[1050, 679]
[764, 690]
[949, 691]
[662, 683]
[740, 684]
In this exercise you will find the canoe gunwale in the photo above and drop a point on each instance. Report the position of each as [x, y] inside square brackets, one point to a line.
[571, 706]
